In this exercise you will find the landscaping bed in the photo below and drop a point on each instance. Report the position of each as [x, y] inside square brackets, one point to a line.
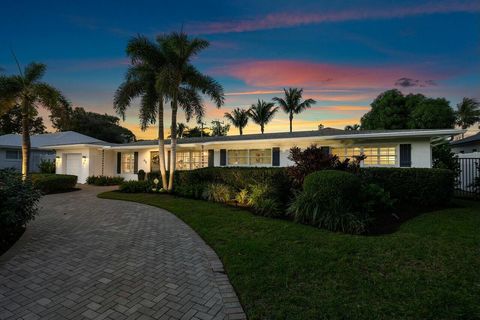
[428, 269]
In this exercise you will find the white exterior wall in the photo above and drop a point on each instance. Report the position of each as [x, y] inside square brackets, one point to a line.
[421, 154]
[86, 164]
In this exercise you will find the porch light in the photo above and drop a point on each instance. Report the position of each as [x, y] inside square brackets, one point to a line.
[84, 159]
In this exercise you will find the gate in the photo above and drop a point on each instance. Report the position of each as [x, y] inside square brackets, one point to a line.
[468, 179]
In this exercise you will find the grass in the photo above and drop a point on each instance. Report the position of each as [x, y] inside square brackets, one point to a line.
[428, 269]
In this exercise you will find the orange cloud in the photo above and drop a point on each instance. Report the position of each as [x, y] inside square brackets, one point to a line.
[292, 19]
[284, 73]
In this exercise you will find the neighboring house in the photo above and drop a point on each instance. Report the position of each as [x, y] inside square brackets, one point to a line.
[11, 148]
[467, 145]
[383, 148]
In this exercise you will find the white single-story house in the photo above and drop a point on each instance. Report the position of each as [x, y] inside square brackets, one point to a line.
[11, 148]
[383, 148]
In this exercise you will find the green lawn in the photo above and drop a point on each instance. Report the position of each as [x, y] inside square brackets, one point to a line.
[429, 269]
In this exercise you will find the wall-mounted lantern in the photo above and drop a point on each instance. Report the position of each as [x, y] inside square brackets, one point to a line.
[84, 160]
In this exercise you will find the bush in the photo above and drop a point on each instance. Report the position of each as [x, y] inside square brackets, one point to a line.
[54, 183]
[330, 200]
[242, 197]
[141, 175]
[46, 166]
[136, 186]
[413, 188]
[104, 180]
[219, 192]
[18, 200]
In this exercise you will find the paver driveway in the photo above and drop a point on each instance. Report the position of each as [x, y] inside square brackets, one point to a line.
[91, 258]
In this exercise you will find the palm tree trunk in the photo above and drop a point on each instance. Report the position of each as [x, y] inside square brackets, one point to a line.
[161, 146]
[291, 120]
[262, 128]
[25, 141]
[173, 145]
[241, 131]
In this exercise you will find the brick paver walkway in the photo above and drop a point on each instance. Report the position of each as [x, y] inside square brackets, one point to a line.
[89, 258]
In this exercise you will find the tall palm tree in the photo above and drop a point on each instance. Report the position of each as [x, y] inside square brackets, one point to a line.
[181, 129]
[185, 83]
[468, 113]
[28, 91]
[144, 79]
[238, 117]
[262, 112]
[292, 103]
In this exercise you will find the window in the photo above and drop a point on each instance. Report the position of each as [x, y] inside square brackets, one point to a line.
[237, 157]
[384, 155]
[13, 155]
[260, 156]
[252, 157]
[186, 160]
[128, 162]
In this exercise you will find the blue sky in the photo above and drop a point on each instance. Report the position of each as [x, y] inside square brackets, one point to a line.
[343, 53]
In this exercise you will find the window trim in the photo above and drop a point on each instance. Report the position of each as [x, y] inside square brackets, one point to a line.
[19, 155]
[132, 162]
[249, 157]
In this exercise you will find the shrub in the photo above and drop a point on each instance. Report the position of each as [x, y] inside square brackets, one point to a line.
[413, 188]
[376, 203]
[155, 174]
[104, 180]
[46, 166]
[242, 197]
[136, 186]
[330, 200]
[54, 183]
[18, 201]
[219, 192]
[314, 159]
[141, 175]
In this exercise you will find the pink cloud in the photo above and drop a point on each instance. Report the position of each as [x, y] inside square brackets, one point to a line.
[284, 73]
[282, 20]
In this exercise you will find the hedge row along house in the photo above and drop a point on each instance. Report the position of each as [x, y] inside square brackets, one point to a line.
[383, 148]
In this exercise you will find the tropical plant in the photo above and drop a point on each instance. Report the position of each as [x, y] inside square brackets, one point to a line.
[219, 192]
[144, 79]
[242, 197]
[353, 127]
[46, 166]
[181, 129]
[292, 103]
[262, 113]
[468, 113]
[238, 117]
[11, 122]
[183, 83]
[28, 91]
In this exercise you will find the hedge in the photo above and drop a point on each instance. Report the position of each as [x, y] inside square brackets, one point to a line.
[53, 183]
[104, 180]
[413, 188]
[193, 182]
[135, 186]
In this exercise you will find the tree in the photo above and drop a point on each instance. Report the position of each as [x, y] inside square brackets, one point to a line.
[239, 118]
[196, 132]
[28, 91]
[353, 127]
[181, 129]
[468, 113]
[392, 110]
[144, 79]
[184, 82]
[292, 103]
[11, 122]
[100, 126]
[219, 128]
[262, 113]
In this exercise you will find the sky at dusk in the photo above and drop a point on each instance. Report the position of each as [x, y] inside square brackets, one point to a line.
[343, 53]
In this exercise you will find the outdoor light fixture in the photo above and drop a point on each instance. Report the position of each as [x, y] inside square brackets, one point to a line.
[84, 159]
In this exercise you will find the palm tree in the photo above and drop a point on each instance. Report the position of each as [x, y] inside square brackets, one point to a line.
[262, 112]
[185, 83]
[292, 103]
[144, 79]
[468, 113]
[181, 129]
[354, 127]
[29, 92]
[238, 117]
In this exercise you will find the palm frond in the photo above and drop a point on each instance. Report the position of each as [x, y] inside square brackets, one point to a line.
[125, 93]
[48, 96]
[34, 72]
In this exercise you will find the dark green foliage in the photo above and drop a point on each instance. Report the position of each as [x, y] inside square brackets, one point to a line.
[47, 166]
[444, 158]
[101, 126]
[330, 200]
[141, 175]
[392, 110]
[18, 200]
[136, 186]
[104, 180]
[11, 122]
[376, 204]
[155, 174]
[413, 188]
[54, 183]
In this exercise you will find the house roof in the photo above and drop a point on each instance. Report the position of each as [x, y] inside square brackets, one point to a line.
[49, 139]
[468, 140]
